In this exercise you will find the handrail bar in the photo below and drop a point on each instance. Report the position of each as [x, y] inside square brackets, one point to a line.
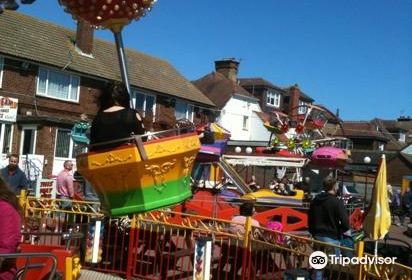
[133, 137]
[31, 255]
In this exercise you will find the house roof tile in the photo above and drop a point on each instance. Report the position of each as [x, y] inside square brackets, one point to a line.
[260, 82]
[46, 43]
[395, 125]
[220, 89]
[361, 129]
[329, 115]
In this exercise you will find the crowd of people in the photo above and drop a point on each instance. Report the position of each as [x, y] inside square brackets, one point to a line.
[278, 186]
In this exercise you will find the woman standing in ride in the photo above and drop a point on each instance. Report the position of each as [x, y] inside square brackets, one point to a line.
[10, 227]
[115, 119]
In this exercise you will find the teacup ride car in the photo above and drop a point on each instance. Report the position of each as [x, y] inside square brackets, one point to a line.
[138, 176]
[221, 198]
[267, 197]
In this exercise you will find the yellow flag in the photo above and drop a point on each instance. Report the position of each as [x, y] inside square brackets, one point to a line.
[378, 219]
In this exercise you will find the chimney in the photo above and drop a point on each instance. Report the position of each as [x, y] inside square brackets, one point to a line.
[228, 67]
[294, 95]
[84, 37]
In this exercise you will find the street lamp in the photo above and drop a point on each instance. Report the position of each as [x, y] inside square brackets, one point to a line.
[366, 160]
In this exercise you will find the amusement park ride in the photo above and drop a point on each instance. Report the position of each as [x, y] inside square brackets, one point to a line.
[141, 176]
[295, 142]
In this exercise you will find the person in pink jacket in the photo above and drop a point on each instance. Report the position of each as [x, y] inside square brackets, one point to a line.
[10, 226]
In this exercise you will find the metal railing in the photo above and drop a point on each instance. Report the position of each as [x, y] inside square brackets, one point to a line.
[161, 244]
[30, 263]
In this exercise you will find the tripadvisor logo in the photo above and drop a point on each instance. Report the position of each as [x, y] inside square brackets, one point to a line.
[319, 260]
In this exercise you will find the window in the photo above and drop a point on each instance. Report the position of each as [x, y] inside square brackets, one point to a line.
[245, 122]
[57, 84]
[1, 70]
[144, 102]
[183, 110]
[402, 137]
[6, 132]
[272, 98]
[28, 140]
[381, 147]
[349, 145]
[64, 144]
[302, 107]
[190, 112]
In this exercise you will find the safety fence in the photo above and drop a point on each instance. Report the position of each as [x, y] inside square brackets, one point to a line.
[161, 245]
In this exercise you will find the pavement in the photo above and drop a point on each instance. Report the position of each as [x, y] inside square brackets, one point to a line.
[397, 244]
[90, 274]
[399, 232]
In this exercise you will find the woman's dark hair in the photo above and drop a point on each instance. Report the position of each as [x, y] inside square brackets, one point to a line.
[114, 94]
[246, 209]
[328, 183]
[8, 196]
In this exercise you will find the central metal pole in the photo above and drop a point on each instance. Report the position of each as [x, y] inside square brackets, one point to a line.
[366, 189]
[123, 64]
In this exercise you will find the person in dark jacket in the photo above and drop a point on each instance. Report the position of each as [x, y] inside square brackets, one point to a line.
[328, 219]
[14, 176]
[406, 206]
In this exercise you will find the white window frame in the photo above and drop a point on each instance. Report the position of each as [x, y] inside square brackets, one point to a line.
[402, 137]
[276, 98]
[71, 146]
[1, 70]
[47, 84]
[189, 113]
[134, 100]
[349, 145]
[301, 109]
[245, 123]
[3, 129]
[28, 127]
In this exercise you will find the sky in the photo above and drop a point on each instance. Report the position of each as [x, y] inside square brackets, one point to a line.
[351, 55]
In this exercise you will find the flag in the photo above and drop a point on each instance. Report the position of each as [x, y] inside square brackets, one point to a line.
[378, 218]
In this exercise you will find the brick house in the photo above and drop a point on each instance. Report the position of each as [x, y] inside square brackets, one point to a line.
[372, 139]
[56, 74]
[364, 135]
[236, 108]
[399, 132]
[274, 98]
